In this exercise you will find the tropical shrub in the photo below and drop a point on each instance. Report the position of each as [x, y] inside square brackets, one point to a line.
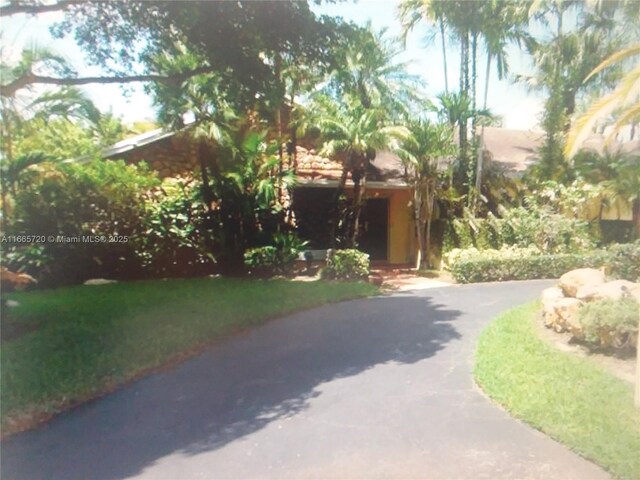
[550, 232]
[523, 227]
[85, 218]
[347, 264]
[610, 323]
[276, 259]
[174, 243]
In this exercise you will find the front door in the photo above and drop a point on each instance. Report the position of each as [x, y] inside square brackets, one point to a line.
[374, 227]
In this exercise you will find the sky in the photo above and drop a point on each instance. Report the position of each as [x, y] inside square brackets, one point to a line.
[519, 108]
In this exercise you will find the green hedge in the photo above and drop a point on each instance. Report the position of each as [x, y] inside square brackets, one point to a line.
[622, 261]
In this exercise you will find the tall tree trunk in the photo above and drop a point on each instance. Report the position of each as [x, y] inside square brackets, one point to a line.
[444, 56]
[430, 194]
[464, 83]
[7, 138]
[480, 159]
[278, 75]
[358, 203]
[474, 120]
[333, 230]
[418, 210]
[486, 81]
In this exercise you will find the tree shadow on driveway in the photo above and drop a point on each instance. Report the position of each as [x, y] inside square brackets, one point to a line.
[230, 391]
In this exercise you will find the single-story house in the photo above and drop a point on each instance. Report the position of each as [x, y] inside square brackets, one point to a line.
[388, 230]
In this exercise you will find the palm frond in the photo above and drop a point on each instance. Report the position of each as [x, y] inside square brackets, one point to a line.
[615, 58]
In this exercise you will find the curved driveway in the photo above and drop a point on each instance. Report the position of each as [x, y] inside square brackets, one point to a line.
[372, 388]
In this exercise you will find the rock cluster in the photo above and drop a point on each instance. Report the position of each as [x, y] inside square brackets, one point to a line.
[561, 304]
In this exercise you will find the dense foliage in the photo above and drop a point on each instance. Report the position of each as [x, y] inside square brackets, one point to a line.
[64, 203]
[522, 227]
[175, 242]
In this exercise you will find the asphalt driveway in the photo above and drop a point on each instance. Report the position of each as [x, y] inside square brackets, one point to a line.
[372, 388]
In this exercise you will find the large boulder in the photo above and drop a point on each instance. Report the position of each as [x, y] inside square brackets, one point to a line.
[551, 294]
[562, 314]
[607, 291]
[549, 297]
[571, 281]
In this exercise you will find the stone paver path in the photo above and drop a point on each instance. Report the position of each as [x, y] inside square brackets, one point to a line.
[373, 388]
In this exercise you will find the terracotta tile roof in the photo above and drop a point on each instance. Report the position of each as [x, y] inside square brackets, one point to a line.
[312, 166]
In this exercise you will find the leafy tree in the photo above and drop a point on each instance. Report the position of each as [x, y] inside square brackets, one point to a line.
[237, 40]
[427, 145]
[412, 12]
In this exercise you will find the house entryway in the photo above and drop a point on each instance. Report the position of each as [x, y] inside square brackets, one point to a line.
[374, 229]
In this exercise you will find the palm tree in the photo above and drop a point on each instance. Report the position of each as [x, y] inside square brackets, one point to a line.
[421, 151]
[624, 99]
[456, 110]
[563, 66]
[354, 133]
[371, 73]
[412, 12]
[502, 22]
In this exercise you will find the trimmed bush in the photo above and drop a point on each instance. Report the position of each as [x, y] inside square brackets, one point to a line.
[513, 263]
[348, 264]
[610, 323]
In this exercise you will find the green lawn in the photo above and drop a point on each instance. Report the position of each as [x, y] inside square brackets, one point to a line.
[85, 340]
[568, 398]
